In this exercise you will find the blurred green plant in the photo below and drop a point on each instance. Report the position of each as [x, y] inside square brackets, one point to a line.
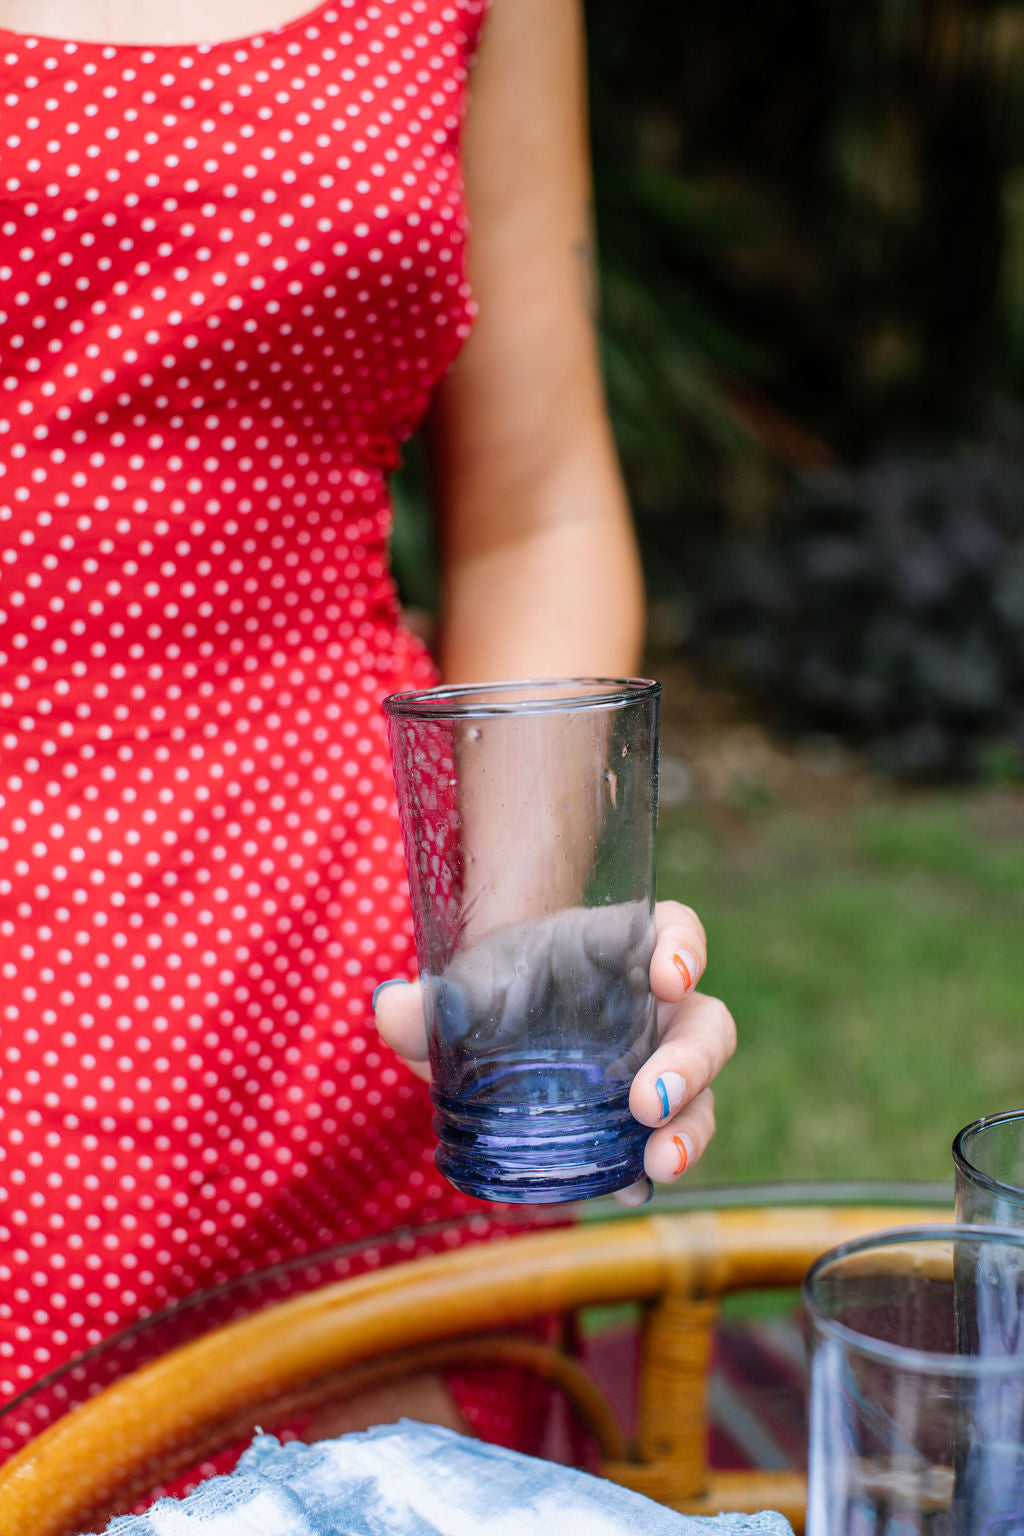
[676, 370]
[875, 150]
[414, 559]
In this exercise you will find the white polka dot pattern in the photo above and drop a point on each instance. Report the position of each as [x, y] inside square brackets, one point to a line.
[230, 276]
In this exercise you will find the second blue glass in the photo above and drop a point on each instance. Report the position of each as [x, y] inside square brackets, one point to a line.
[988, 1156]
[528, 816]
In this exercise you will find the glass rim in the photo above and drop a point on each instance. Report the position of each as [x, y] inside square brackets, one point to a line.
[971, 1170]
[471, 701]
[923, 1361]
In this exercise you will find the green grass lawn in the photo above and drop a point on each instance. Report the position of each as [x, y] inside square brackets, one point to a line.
[872, 953]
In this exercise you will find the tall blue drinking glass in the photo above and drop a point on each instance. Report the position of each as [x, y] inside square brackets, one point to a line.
[528, 814]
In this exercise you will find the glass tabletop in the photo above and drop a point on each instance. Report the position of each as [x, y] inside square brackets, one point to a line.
[573, 1360]
[32, 1410]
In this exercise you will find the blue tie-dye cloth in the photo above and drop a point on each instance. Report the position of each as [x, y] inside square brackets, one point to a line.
[411, 1479]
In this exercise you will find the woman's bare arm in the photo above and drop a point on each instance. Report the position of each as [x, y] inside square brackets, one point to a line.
[540, 570]
[541, 574]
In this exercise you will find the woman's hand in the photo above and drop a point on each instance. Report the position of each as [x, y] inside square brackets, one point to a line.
[671, 1092]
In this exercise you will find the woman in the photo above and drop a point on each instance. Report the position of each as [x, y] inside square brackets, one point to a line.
[232, 278]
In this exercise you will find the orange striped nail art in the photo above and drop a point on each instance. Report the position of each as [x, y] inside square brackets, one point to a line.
[686, 965]
[684, 1156]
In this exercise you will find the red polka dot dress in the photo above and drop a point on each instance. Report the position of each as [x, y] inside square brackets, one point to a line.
[230, 276]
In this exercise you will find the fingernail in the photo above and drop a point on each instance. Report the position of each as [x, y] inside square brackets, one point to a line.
[671, 1090]
[686, 965]
[637, 1194]
[395, 981]
[684, 1151]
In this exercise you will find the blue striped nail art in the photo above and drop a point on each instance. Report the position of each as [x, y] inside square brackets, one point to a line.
[395, 981]
[662, 1091]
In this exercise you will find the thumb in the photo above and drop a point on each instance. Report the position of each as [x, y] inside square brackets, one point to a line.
[398, 1014]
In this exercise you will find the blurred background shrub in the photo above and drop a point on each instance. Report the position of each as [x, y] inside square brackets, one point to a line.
[885, 607]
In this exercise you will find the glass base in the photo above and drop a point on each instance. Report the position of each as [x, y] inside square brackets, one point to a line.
[539, 1154]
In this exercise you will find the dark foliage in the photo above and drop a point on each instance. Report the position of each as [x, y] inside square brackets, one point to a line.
[887, 608]
[811, 234]
[845, 169]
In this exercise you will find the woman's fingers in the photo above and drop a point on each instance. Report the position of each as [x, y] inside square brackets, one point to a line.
[672, 1090]
[698, 1039]
[677, 1146]
[680, 951]
[398, 1014]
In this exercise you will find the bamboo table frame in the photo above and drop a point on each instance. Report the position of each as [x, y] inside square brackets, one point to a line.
[168, 1413]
